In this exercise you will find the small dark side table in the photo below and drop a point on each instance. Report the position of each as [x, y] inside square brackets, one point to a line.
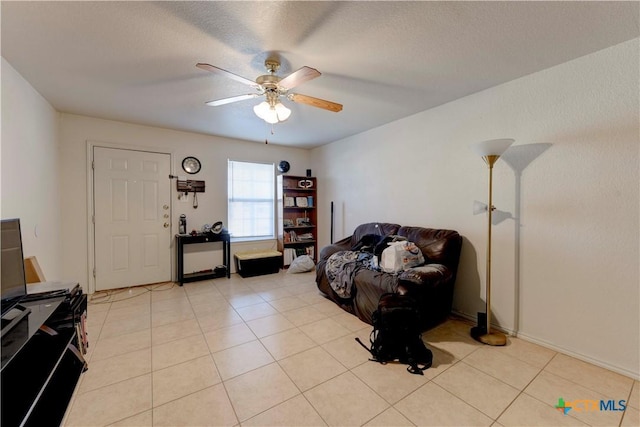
[187, 239]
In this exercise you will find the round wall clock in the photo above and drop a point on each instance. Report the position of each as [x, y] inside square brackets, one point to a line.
[283, 166]
[191, 165]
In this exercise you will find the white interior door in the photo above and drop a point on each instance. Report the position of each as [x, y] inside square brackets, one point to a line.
[132, 212]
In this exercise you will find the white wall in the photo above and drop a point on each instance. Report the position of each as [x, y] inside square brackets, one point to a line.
[30, 171]
[573, 252]
[213, 152]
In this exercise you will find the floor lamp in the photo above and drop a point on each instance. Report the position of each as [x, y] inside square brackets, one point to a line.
[490, 151]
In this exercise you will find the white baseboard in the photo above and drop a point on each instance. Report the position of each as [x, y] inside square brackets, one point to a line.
[584, 358]
[622, 371]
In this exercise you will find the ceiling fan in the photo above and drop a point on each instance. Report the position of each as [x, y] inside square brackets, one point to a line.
[273, 88]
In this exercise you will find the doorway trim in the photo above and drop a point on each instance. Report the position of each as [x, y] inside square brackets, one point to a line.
[91, 144]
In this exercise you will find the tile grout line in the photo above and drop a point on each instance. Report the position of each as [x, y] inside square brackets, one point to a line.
[151, 355]
[520, 392]
[277, 362]
[590, 364]
[222, 382]
[227, 297]
[633, 384]
[137, 376]
[316, 345]
[535, 398]
[540, 370]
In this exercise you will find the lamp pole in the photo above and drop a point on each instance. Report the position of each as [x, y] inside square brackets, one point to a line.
[490, 152]
[490, 160]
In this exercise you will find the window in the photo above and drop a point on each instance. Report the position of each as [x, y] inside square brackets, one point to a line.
[251, 204]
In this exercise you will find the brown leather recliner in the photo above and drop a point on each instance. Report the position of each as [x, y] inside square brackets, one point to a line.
[431, 287]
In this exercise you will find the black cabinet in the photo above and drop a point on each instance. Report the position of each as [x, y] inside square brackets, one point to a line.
[182, 239]
[42, 361]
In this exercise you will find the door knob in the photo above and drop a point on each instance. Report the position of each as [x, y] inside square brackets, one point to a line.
[165, 207]
[166, 215]
[166, 225]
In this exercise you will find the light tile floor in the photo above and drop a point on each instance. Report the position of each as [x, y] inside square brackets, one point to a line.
[271, 351]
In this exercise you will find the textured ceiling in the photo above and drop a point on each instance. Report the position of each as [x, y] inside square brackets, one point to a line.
[135, 61]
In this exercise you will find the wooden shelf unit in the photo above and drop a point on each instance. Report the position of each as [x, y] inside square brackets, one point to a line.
[297, 216]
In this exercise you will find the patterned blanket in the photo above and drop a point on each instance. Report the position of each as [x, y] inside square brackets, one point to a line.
[341, 269]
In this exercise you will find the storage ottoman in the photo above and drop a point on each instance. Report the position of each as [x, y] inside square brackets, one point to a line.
[250, 264]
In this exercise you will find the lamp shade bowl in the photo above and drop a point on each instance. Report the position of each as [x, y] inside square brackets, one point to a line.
[492, 147]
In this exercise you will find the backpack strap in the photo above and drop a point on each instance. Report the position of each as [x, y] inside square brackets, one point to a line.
[370, 350]
[418, 368]
[365, 347]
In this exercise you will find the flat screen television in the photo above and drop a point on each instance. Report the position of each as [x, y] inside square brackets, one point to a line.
[13, 281]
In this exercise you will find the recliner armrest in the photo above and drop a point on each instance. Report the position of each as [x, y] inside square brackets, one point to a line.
[341, 245]
[431, 275]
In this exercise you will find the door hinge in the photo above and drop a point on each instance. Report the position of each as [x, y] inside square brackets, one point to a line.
[94, 272]
[93, 165]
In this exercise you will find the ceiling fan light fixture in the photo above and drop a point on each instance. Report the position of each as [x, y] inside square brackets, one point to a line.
[271, 118]
[272, 114]
[282, 112]
[262, 110]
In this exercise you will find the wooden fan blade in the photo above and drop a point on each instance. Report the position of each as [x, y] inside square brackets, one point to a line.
[223, 101]
[315, 102]
[298, 77]
[219, 71]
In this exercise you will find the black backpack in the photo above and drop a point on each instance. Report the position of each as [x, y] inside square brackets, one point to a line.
[396, 334]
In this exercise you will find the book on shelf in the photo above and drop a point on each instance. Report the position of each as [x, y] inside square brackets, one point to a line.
[289, 255]
[289, 202]
[310, 251]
